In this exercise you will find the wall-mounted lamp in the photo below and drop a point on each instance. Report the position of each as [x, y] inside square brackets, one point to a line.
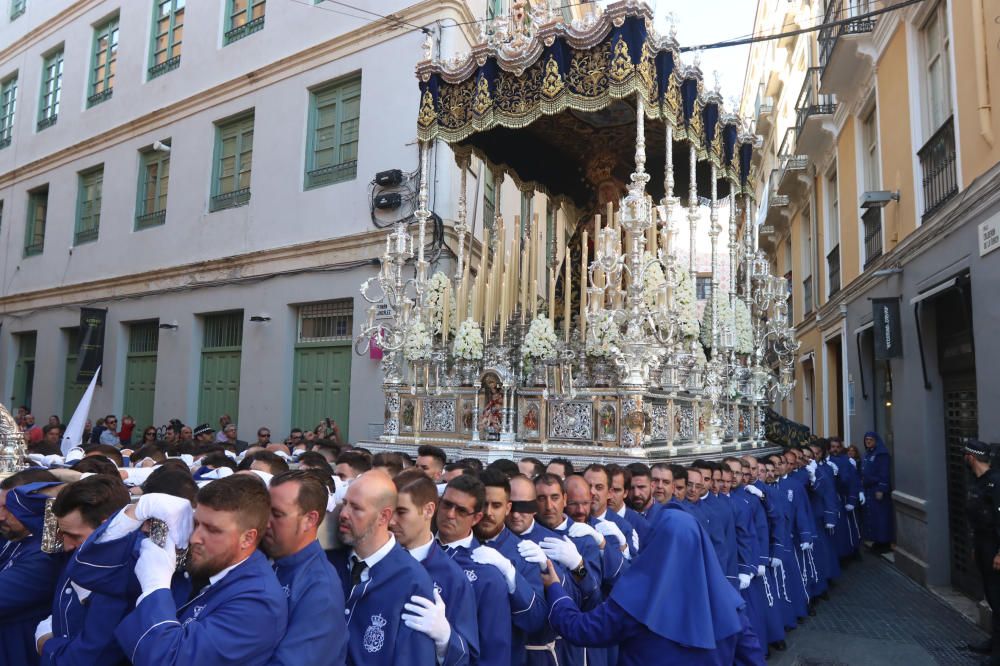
[172, 326]
[260, 318]
[878, 198]
[161, 147]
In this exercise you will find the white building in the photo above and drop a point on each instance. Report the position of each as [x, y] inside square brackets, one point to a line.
[191, 169]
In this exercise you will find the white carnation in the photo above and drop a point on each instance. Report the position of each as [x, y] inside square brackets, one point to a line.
[653, 279]
[417, 346]
[468, 341]
[744, 329]
[433, 296]
[603, 336]
[540, 342]
[685, 304]
[725, 319]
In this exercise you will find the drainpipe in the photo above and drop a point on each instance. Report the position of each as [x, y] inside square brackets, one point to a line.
[982, 80]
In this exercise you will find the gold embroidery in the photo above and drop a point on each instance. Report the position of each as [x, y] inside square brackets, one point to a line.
[482, 101]
[647, 69]
[621, 63]
[552, 84]
[587, 74]
[427, 115]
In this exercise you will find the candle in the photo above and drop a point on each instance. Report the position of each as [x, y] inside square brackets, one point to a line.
[534, 298]
[503, 306]
[583, 287]
[445, 300]
[552, 294]
[651, 239]
[567, 296]
[486, 324]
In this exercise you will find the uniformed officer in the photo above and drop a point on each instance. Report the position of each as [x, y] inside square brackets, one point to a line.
[983, 508]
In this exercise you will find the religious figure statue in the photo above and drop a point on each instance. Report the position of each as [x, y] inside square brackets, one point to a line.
[491, 416]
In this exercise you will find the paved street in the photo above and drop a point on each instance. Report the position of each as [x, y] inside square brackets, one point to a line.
[876, 615]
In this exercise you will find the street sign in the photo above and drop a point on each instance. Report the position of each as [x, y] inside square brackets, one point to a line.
[989, 236]
[384, 311]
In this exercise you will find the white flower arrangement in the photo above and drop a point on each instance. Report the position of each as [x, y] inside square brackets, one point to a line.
[700, 360]
[540, 342]
[685, 304]
[417, 346]
[433, 297]
[653, 279]
[468, 341]
[725, 319]
[744, 328]
[603, 336]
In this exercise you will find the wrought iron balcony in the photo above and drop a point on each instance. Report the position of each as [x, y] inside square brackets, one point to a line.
[153, 219]
[241, 31]
[872, 222]
[938, 165]
[811, 110]
[164, 67]
[789, 183]
[833, 270]
[230, 200]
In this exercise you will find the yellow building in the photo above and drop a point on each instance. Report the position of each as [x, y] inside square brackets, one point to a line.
[877, 189]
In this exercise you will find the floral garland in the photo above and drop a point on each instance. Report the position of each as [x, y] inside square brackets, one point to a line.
[433, 297]
[653, 279]
[744, 329]
[540, 342]
[603, 336]
[468, 341]
[418, 343]
[685, 304]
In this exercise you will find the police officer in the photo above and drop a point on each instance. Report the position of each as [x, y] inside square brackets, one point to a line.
[983, 508]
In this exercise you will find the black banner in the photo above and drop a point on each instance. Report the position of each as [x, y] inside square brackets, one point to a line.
[91, 353]
[888, 339]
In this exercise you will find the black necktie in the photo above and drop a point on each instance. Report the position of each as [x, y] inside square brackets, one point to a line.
[198, 584]
[356, 569]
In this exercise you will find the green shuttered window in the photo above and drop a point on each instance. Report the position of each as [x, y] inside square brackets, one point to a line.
[233, 163]
[8, 100]
[154, 178]
[51, 94]
[243, 17]
[88, 206]
[104, 62]
[168, 35]
[34, 235]
[334, 120]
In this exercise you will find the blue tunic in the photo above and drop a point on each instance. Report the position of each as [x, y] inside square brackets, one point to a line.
[492, 605]
[376, 633]
[594, 561]
[823, 496]
[238, 620]
[747, 557]
[788, 579]
[27, 580]
[847, 538]
[772, 612]
[460, 606]
[313, 591]
[875, 478]
[626, 528]
[638, 523]
[528, 608]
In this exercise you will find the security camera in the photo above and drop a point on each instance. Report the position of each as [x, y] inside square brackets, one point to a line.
[161, 147]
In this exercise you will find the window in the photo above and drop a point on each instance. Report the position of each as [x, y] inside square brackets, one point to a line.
[869, 137]
[168, 33]
[154, 177]
[326, 322]
[703, 287]
[334, 120]
[937, 68]
[243, 17]
[833, 210]
[8, 100]
[102, 68]
[17, 7]
[34, 235]
[88, 206]
[48, 104]
[493, 9]
[233, 160]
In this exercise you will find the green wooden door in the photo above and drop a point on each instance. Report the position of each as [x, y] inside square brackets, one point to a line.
[140, 372]
[220, 367]
[72, 392]
[322, 386]
[24, 370]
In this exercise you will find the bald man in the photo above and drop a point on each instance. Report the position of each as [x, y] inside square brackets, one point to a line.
[379, 578]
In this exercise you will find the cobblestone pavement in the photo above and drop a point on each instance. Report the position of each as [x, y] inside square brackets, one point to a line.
[876, 615]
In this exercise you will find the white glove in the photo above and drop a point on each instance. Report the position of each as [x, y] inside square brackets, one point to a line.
[583, 529]
[812, 466]
[848, 507]
[861, 497]
[853, 462]
[428, 617]
[830, 527]
[75, 454]
[761, 569]
[43, 630]
[155, 566]
[805, 545]
[745, 581]
[176, 512]
[775, 563]
[532, 552]
[635, 541]
[812, 475]
[609, 529]
[492, 557]
[754, 490]
[562, 551]
[833, 466]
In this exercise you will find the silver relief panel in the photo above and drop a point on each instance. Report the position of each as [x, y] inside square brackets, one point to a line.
[439, 416]
[571, 420]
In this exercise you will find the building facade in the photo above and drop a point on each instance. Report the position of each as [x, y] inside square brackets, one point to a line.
[205, 172]
[878, 199]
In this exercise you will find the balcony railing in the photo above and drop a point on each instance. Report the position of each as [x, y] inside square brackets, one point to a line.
[833, 270]
[786, 152]
[153, 219]
[230, 200]
[241, 31]
[837, 10]
[938, 165]
[811, 102]
[807, 296]
[164, 67]
[872, 221]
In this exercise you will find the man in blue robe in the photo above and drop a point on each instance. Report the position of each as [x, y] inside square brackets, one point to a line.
[379, 579]
[719, 519]
[240, 616]
[77, 630]
[847, 537]
[712, 629]
[298, 506]
[598, 478]
[492, 531]
[416, 505]
[788, 575]
[493, 578]
[28, 576]
[640, 494]
[825, 506]
[618, 490]
[876, 480]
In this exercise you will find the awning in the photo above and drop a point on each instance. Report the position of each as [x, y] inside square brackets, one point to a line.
[937, 289]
